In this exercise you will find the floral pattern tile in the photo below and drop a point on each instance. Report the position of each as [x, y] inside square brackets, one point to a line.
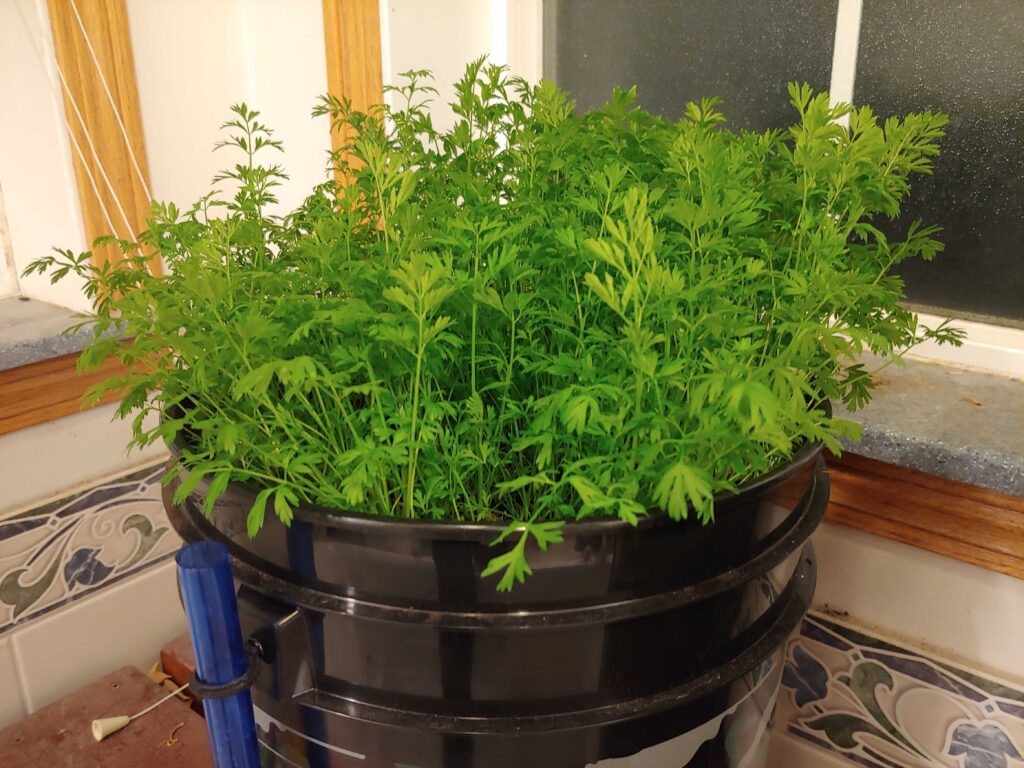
[60, 551]
[885, 706]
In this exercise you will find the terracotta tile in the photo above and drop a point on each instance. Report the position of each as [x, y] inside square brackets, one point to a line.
[60, 736]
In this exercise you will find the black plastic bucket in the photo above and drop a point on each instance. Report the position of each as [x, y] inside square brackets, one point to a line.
[655, 646]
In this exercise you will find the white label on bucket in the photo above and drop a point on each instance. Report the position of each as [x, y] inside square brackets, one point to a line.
[264, 721]
[680, 750]
[743, 733]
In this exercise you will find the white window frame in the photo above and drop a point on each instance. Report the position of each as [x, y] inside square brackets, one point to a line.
[8, 271]
[524, 28]
[987, 347]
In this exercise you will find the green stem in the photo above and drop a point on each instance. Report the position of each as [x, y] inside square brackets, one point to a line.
[472, 363]
[410, 483]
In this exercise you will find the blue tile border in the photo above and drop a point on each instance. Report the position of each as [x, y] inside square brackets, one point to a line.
[882, 705]
[61, 551]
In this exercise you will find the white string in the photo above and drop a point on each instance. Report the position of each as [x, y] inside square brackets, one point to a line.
[153, 706]
[95, 153]
[74, 142]
[43, 55]
[113, 104]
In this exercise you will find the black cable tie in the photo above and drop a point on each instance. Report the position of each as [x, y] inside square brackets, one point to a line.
[205, 691]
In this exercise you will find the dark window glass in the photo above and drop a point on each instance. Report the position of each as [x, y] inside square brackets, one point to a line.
[965, 59]
[677, 51]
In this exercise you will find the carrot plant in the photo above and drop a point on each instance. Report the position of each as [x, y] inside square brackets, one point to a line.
[537, 316]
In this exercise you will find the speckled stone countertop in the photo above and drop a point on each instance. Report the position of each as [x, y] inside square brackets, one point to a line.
[959, 424]
[32, 330]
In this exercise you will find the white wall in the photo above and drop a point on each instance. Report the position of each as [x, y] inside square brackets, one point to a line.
[195, 58]
[524, 35]
[932, 602]
[442, 36]
[36, 173]
[52, 458]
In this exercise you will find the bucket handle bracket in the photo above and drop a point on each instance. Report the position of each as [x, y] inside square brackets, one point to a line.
[241, 683]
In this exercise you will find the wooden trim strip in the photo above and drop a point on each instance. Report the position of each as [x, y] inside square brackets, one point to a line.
[39, 392]
[956, 520]
[354, 63]
[108, 144]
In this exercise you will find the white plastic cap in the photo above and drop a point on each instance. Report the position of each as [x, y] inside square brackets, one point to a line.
[108, 725]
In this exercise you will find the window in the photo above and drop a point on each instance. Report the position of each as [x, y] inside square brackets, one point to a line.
[965, 59]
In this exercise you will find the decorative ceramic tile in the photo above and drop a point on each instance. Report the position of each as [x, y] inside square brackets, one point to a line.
[884, 706]
[787, 751]
[68, 548]
[12, 704]
[125, 624]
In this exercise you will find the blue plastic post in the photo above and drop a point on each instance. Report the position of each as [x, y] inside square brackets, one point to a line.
[208, 592]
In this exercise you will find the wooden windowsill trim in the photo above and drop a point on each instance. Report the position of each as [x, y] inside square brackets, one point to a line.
[49, 389]
[964, 522]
